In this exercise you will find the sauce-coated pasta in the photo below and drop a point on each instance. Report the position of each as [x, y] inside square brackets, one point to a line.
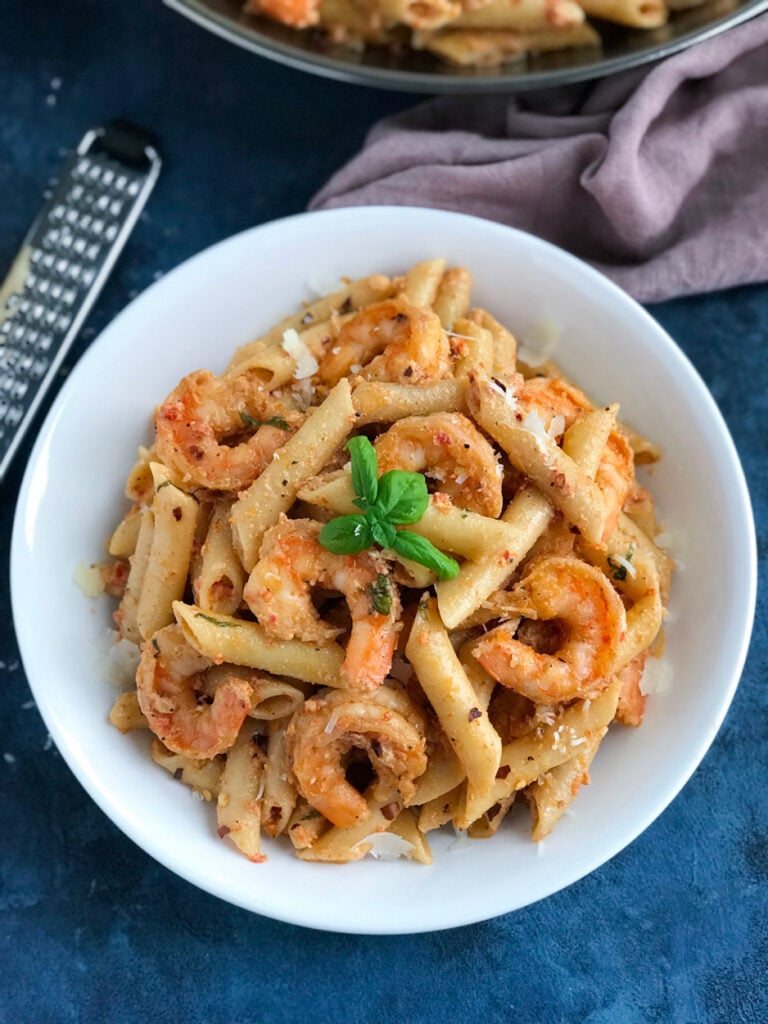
[385, 577]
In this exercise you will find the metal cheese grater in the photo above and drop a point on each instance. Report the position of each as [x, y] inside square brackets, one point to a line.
[63, 263]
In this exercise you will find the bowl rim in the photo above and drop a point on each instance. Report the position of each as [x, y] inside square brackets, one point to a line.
[249, 38]
[21, 556]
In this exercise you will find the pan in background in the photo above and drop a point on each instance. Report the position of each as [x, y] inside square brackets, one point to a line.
[415, 71]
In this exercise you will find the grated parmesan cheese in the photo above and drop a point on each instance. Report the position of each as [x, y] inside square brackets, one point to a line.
[88, 579]
[330, 725]
[535, 425]
[508, 396]
[306, 364]
[540, 343]
[657, 677]
[386, 846]
[625, 564]
[556, 426]
[120, 661]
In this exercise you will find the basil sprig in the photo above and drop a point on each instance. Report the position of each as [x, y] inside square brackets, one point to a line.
[395, 499]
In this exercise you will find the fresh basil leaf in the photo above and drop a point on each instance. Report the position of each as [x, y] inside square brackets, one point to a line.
[383, 532]
[365, 469]
[380, 594]
[419, 549]
[403, 497]
[346, 535]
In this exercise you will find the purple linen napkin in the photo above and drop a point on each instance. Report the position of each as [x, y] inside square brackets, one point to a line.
[658, 178]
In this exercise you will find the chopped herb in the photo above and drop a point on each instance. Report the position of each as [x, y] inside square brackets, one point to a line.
[619, 571]
[380, 593]
[619, 568]
[155, 644]
[216, 622]
[273, 421]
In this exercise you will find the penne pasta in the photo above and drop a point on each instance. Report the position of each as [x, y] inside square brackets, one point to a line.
[239, 642]
[378, 402]
[238, 806]
[303, 456]
[488, 48]
[445, 682]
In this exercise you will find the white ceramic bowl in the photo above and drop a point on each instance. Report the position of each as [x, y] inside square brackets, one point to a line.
[195, 316]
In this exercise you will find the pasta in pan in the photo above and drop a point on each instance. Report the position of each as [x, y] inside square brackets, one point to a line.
[466, 33]
[383, 577]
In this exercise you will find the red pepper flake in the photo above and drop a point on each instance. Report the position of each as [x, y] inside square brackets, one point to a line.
[223, 831]
[275, 812]
[503, 772]
[178, 774]
[196, 453]
[474, 713]
[408, 371]
[391, 811]
[440, 437]
[176, 513]
[558, 481]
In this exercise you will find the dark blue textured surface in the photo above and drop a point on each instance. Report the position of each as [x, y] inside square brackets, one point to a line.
[91, 929]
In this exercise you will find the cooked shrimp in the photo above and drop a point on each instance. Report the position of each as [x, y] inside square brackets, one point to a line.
[615, 477]
[590, 622]
[408, 343]
[631, 706]
[296, 13]
[448, 447]
[387, 725]
[552, 398]
[278, 592]
[221, 433]
[173, 696]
